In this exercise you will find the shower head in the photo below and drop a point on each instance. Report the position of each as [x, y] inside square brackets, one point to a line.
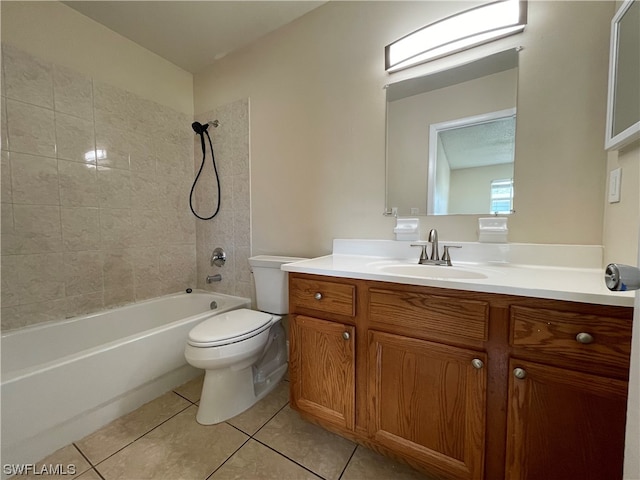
[199, 128]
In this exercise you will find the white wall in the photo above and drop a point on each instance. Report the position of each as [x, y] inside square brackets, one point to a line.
[318, 123]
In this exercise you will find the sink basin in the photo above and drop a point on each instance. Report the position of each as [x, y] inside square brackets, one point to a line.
[431, 271]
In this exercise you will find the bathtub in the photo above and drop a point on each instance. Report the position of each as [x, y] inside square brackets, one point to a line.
[63, 380]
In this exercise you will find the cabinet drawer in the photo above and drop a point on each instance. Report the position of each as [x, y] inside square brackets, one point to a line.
[428, 316]
[587, 339]
[324, 296]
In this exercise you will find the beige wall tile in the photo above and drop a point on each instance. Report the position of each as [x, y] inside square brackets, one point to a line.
[83, 272]
[78, 184]
[33, 313]
[144, 191]
[83, 304]
[114, 188]
[31, 129]
[73, 92]
[75, 139]
[80, 228]
[34, 180]
[36, 230]
[116, 228]
[32, 278]
[27, 78]
[4, 142]
[93, 209]
[5, 177]
[114, 297]
[113, 143]
[118, 268]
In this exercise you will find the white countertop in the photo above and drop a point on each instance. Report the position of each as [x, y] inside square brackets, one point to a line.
[575, 284]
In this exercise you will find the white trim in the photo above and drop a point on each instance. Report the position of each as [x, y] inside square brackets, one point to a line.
[632, 133]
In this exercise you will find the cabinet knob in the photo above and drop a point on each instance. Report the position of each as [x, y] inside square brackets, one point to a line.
[519, 373]
[477, 363]
[346, 335]
[318, 296]
[584, 337]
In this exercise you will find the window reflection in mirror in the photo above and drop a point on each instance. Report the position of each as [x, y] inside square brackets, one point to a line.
[471, 109]
[468, 158]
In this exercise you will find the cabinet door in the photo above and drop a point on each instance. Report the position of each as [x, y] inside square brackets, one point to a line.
[322, 370]
[427, 402]
[563, 424]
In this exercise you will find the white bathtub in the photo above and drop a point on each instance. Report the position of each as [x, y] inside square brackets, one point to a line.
[63, 380]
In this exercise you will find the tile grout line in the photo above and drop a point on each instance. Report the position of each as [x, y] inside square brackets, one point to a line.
[138, 438]
[290, 459]
[180, 395]
[229, 457]
[348, 462]
[91, 466]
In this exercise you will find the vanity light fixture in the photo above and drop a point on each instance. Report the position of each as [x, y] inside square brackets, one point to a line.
[456, 33]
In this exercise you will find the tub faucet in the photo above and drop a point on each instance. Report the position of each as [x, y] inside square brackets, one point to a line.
[214, 278]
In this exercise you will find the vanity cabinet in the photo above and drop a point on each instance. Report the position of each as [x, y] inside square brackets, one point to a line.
[322, 351]
[566, 417]
[460, 384]
[428, 401]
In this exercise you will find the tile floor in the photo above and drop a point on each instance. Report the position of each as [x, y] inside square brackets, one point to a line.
[162, 440]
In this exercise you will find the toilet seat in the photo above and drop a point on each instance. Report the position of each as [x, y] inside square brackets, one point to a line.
[230, 327]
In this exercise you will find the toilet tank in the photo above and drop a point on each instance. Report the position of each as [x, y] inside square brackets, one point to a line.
[272, 289]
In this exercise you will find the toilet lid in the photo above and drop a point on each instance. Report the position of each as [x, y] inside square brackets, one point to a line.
[229, 327]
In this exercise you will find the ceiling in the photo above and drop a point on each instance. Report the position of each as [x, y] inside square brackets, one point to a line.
[193, 34]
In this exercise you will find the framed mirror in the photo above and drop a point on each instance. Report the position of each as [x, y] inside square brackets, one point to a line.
[451, 139]
[623, 103]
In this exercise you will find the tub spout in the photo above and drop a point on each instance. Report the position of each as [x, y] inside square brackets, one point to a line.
[214, 278]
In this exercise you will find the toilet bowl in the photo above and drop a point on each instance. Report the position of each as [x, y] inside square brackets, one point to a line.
[243, 352]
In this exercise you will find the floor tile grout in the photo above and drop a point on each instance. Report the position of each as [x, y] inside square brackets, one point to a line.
[290, 459]
[228, 458]
[348, 462]
[135, 440]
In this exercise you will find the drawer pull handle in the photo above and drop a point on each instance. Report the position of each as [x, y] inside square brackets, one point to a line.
[519, 373]
[584, 338]
[477, 363]
[318, 296]
[346, 335]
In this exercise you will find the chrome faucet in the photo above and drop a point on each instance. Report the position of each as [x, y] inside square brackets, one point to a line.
[435, 256]
[433, 240]
[214, 278]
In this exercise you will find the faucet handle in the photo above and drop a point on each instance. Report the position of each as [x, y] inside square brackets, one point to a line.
[423, 252]
[445, 254]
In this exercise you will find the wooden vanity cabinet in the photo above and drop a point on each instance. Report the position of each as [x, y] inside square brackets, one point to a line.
[567, 394]
[432, 376]
[322, 351]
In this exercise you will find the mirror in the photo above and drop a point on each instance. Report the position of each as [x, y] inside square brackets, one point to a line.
[451, 139]
[623, 105]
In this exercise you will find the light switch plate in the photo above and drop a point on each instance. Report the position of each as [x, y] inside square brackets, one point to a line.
[615, 179]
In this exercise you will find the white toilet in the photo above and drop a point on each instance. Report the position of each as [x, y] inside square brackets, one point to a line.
[243, 352]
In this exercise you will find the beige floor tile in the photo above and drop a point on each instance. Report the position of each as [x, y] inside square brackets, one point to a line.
[119, 433]
[251, 420]
[369, 465]
[192, 389]
[318, 450]
[65, 460]
[89, 475]
[254, 461]
[180, 448]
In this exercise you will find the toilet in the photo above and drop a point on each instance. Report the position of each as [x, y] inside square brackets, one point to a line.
[243, 352]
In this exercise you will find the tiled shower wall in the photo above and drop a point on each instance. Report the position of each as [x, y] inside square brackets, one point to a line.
[231, 228]
[95, 185]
